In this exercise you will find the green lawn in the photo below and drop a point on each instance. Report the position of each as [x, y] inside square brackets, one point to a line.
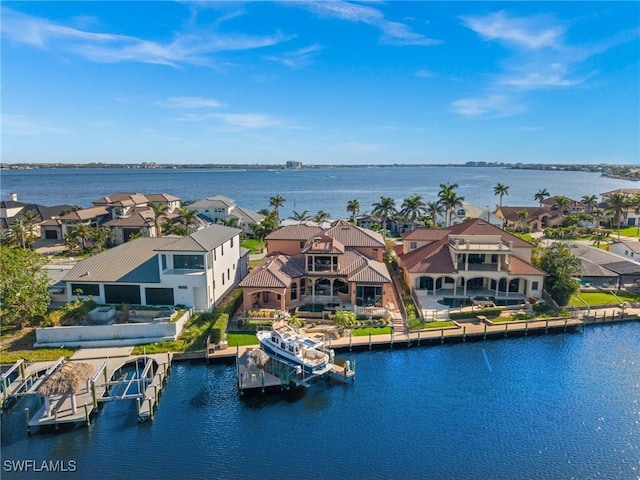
[242, 339]
[594, 299]
[252, 244]
[627, 232]
[363, 332]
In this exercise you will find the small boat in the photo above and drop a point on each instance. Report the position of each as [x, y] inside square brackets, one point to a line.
[284, 344]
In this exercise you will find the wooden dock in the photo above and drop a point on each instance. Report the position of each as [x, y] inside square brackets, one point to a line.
[147, 384]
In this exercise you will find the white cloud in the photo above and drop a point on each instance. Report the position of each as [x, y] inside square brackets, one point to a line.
[554, 75]
[531, 33]
[22, 125]
[393, 33]
[190, 102]
[111, 48]
[493, 106]
[297, 58]
[244, 120]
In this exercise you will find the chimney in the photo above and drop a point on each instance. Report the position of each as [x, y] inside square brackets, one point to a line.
[14, 196]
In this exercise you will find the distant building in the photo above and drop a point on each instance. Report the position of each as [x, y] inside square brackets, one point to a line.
[293, 164]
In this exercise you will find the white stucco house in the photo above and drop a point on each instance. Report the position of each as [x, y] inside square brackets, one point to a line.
[220, 208]
[195, 271]
[629, 248]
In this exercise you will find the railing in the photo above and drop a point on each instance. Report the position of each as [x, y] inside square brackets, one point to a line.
[371, 311]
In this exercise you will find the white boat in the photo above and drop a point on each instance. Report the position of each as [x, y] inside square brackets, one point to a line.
[286, 345]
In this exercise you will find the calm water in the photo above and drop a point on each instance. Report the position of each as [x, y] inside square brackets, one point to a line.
[563, 406]
[326, 189]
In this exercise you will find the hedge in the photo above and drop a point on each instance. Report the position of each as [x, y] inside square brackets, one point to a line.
[486, 312]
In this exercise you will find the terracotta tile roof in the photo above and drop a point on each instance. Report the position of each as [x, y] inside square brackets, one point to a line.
[127, 198]
[139, 218]
[275, 271]
[511, 213]
[352, 236]
[426, 234]
[432, 258]
[296, 232]
[323, 244]
[481, 227]
[626, 191]
[520, 267]
[161, 198]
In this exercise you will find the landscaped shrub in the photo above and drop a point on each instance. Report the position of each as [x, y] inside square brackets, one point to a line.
[219, 328]
[345, 318]
[542, 307]
[485, 312]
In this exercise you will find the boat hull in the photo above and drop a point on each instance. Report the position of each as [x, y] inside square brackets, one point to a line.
[278, 354]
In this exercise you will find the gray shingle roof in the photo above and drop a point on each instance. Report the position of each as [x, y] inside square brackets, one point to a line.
[204, 240]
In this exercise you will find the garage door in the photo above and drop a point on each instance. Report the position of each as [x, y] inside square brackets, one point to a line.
[122, 294]
[51, 234]
[159, 296]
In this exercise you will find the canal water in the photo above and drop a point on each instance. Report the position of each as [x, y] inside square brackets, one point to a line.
[558, 406]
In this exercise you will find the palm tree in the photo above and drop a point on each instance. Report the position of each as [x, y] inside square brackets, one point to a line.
[83, 232]
[413, 207]
[449, 199]
[264, 211]
[600, 235]
[617, 204]
[276, 202]
[433, 210]
[562, 203]
[353, 207]
[300, 216]
[159, 212]
[635, 204]
[501, 189]
[590, 202]
[541, 195]
[522, 217]
[99, 237]
[187, 218]
[321, 216]
[384, 210]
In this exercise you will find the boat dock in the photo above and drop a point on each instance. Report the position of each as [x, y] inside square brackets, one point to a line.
[278, 374]
[95, 378]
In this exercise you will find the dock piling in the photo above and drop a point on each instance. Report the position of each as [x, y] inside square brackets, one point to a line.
[27, 416]
[442, 335]
[86, 414]
[484, 335]
[464, 333]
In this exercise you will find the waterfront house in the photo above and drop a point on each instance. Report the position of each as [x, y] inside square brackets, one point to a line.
[605, 269]
[535, 220]
[306, 264]
[195, 271]
[44, 225]
[219, 208]
[631, 214]
[449, 266]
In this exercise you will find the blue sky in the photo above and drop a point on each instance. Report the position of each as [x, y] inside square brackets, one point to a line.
[326, 82]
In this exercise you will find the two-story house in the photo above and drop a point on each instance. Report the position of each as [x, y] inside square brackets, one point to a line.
[220, 208]
[305, 264]
[448, 266]
[195, 271]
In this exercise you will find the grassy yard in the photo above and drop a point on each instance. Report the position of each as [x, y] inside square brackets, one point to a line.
[242, 339]
[627, 232]
[18, 344]
[594, 299]
[363, 332]
[256, 246]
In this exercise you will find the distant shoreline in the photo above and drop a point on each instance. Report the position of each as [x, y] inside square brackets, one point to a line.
[622, 172]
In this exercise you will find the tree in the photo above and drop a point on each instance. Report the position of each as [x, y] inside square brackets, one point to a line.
[159, 212]
[522, 218]
[449, 199]
[353, 207]
[21, 231]
[277, 202]
[300, 216]
[433, 210]
[501, 189]
[265, 227]
[617, 204]
[541, 195]
[384, 210]
[24, 286]
[413, 207]
[99, 237]
[562, 266]
[590, 202]
[188, 218]
[599, 236]
[82, 231]
[321, 217]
